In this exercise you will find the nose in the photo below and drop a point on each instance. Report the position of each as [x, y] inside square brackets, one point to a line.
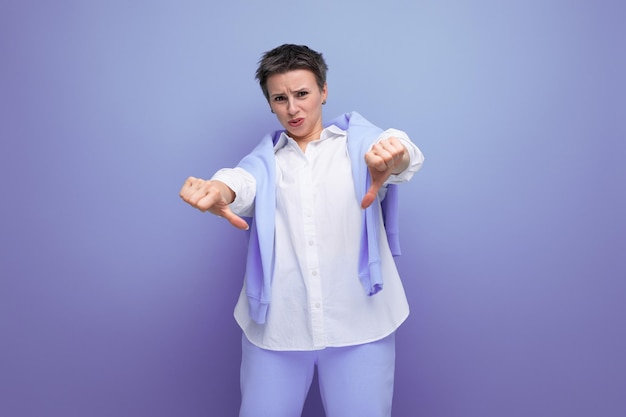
[291, 107]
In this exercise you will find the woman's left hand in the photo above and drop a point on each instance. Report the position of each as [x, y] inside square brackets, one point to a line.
[387, 157]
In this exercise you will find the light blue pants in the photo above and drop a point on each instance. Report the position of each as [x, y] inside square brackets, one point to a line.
[355, 381]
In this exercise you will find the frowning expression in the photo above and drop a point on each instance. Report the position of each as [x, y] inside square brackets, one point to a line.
[297, 101]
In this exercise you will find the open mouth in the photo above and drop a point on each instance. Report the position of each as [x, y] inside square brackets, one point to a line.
[296, 122]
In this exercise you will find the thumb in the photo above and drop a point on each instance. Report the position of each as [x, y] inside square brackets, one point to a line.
[235, 220]
[378, 179]
[370, 195]
[369, 198]
[225, 212]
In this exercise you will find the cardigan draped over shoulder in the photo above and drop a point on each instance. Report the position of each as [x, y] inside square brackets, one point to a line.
[260, 163]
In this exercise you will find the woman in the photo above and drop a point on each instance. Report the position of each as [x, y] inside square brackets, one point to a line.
[321, 287]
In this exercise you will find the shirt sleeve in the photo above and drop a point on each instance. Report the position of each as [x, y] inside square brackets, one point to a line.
[415, 156]
[243, 185]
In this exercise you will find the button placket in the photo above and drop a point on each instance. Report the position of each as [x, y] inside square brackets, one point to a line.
[312, 279]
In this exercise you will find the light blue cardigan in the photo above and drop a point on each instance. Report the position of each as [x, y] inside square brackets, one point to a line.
[261, 164]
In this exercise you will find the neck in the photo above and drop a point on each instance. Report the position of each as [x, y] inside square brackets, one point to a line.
[302, 141]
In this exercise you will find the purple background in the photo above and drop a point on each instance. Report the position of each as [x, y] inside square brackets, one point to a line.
[116, 298]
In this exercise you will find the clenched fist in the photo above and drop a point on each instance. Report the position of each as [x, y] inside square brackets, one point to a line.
[389, 156]
[211, 196]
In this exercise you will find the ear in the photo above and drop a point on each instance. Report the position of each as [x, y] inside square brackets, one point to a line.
[325, 92]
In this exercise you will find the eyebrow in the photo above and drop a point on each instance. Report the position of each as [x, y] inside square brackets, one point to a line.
[295, 91]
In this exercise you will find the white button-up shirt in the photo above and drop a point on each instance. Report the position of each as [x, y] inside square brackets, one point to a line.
[317, 298]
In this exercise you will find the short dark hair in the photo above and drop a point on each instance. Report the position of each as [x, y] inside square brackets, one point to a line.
[289, 57]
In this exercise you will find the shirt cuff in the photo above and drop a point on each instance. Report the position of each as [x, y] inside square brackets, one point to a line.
[243, 185]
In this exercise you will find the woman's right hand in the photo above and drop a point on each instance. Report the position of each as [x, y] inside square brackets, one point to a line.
[211, 196]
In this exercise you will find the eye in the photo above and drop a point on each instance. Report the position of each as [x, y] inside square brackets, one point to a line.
[302, 93]
[279, 98]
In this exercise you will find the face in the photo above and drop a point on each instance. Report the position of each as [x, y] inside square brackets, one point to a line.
[297, 101]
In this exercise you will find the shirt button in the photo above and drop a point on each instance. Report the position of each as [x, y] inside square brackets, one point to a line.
[311, 242]
[317, 305]
[314, 273]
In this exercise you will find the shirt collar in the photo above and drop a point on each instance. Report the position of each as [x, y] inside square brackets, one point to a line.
[328, 132]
